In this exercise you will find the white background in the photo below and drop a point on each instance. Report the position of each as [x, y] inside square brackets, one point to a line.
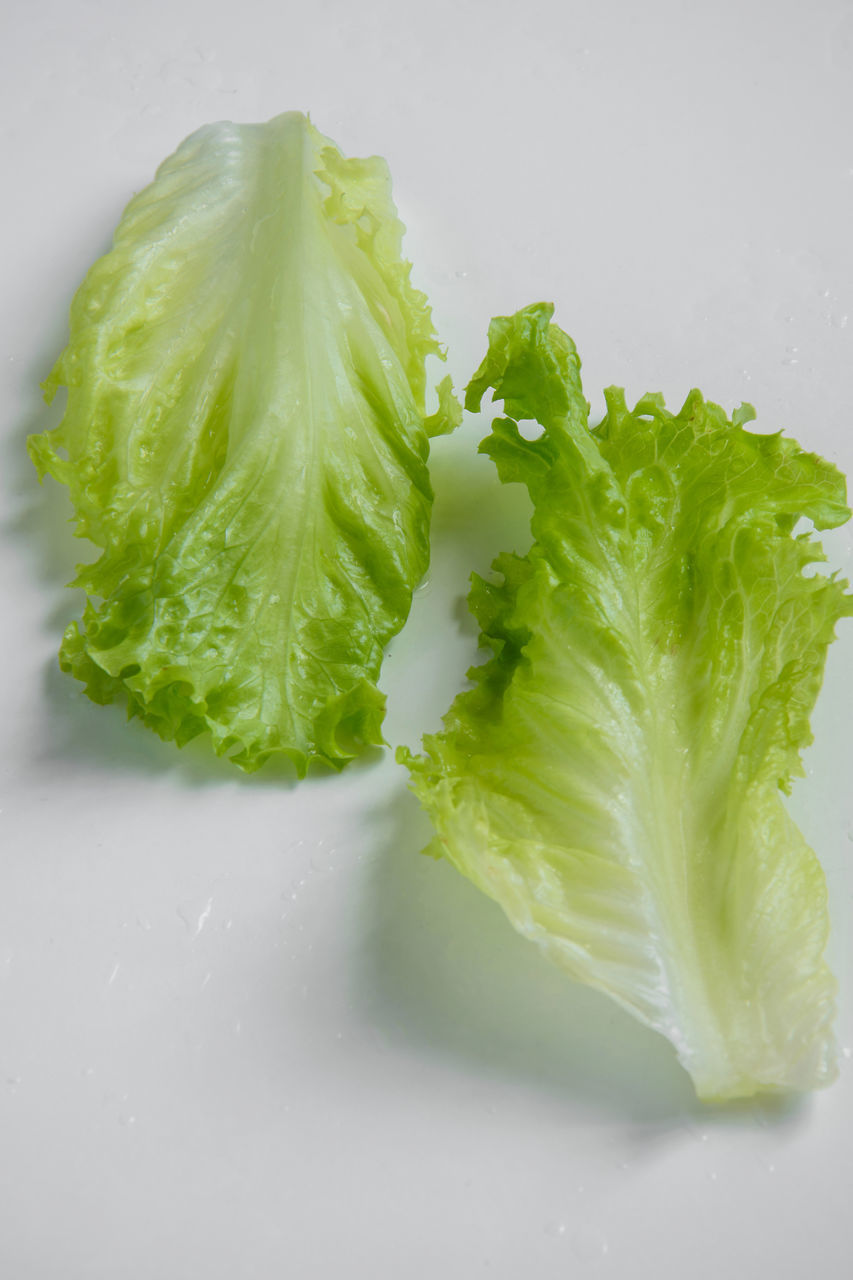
[245, 1030]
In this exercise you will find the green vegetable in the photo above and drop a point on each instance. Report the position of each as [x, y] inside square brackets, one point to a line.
[245, 437]
[613, 778]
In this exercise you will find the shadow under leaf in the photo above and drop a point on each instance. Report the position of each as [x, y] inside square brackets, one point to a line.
[443, 969]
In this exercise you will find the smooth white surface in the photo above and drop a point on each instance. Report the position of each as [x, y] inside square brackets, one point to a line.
[245, 1031]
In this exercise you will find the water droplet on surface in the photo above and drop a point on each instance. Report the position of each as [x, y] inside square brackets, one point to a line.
[555, 1228]
[323, 859]
[847, 1052]
[195, 915]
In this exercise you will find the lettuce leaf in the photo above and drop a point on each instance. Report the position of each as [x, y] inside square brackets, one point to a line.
[245, 437]
[613, 779]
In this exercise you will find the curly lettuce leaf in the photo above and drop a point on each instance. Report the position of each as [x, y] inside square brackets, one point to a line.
[246, 438]
[613, 779]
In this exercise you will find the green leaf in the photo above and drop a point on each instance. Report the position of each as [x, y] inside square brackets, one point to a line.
[246, 438]
[613, 779]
